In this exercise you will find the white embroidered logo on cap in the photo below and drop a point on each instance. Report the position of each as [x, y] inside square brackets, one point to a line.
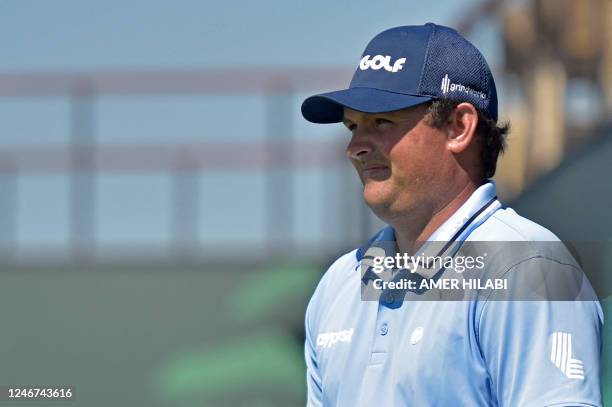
[445, 84]
[448, 86]
[381, 61]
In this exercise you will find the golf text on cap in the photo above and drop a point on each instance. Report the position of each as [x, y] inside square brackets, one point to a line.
[328, 339]
[381, 61]
[447, 86]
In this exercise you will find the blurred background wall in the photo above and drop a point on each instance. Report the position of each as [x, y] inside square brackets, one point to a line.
[166, 212]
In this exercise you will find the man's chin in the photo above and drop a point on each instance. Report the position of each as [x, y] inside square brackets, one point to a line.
[377, 202]
[376, 191]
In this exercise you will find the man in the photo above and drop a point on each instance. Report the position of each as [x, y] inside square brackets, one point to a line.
[422, 111]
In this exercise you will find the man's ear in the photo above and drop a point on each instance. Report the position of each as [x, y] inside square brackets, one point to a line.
[462, 127]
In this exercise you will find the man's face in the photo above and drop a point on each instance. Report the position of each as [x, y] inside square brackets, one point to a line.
[400, 159]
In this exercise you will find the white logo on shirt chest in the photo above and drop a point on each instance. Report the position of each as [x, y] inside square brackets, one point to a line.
[417, 335]
[328, 339]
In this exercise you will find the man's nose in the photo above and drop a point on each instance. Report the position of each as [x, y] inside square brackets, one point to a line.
[359, 147]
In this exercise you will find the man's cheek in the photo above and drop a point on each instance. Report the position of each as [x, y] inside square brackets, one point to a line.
[377, 192]
[356, 164]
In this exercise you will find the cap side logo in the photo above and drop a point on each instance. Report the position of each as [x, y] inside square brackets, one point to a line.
[561, 356]
[445, 84]
[381, 61]
[448, 86]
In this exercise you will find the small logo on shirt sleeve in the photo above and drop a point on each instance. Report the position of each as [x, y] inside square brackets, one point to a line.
[561, 356]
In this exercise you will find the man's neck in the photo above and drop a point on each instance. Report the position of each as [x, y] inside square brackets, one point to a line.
[410, 235]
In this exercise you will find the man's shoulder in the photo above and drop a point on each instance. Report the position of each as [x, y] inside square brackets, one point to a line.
[341, 269]
[515, 239]
[333, 279]
[507, 225]
[526, 253]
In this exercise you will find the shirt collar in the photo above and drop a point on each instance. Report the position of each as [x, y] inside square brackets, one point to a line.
[479, 206]
[469, 215]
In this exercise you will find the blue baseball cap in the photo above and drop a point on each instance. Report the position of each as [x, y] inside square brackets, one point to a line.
[406, 66]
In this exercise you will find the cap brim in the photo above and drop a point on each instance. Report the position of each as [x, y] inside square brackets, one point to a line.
[329, 107]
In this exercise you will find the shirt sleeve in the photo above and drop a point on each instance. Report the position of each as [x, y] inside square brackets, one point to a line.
[313, 376]
[542, 353]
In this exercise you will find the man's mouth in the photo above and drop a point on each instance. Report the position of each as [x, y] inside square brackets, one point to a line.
[375, 171]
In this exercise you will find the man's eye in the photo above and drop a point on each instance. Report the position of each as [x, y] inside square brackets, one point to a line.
[350, 126]
[382, 122]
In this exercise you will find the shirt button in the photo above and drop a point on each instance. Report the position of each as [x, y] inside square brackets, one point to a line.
[384, 329]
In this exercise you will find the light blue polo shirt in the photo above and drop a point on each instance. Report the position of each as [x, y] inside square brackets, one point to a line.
[453, 353]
